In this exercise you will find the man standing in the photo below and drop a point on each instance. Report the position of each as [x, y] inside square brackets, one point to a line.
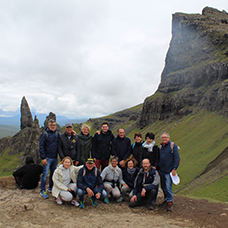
[169, 162]
[101, 149]
[89, 182]
[69, 144]
[121, 147]
[28, 175]
[48, 148]
[146, 186]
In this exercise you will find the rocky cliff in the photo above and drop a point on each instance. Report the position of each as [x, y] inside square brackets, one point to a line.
[26, 141]
[196, 68]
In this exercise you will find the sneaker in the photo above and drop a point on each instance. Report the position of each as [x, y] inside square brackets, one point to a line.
[75, 202]
[59, 201]
[44, 194]
[119, 200]
[106, 200]
[49, 190]
[150, 207]
[170, 206]
[163, 204]
[81, 204]
[93, 201]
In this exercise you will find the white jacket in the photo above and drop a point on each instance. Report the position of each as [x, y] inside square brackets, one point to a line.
[58, 179]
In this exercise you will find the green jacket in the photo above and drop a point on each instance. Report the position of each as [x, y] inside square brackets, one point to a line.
[85, 142]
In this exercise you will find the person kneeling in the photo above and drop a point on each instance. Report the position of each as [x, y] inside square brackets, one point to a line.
[146, 186]
[64, 175]
[90, 182]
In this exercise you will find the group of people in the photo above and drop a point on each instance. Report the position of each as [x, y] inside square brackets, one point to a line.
[106, 167]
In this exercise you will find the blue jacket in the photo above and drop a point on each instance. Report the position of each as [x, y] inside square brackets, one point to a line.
[121, 147]
[48, 146]
[89, 179]
[128, 178]
[149, 183]
[169, 159]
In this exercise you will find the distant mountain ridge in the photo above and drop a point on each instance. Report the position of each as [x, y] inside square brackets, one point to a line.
[62, 120]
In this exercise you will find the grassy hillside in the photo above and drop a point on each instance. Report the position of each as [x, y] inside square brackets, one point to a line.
[7, 130]
[201, 137]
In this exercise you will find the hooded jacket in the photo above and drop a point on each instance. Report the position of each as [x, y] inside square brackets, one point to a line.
[29, 173]
[48, 146]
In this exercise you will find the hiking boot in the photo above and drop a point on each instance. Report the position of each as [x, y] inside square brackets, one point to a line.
[81, 204]
[49, 190]
[59, 201]
[150, 207]
[106, 200]
[170, 206]
[44, 194]
[93, 201]
[74, 202]
[163, 204]
[119, 200]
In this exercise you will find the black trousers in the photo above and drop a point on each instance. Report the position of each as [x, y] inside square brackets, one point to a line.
[147, 200]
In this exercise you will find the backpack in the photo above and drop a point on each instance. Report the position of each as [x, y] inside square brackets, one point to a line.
[84, 172]
[171, 146]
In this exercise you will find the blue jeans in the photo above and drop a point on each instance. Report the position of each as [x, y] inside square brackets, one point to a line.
[51, 164]
[81, 194]
[166, 185]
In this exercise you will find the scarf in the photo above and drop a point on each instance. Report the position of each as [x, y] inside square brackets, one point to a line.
[114, 169]
[131, 171]
[149, 146]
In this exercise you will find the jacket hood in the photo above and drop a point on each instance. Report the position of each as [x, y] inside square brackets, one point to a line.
[29, 159]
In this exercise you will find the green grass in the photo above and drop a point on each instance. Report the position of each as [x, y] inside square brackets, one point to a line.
[201, 137]
[7, 130]
[8, 163]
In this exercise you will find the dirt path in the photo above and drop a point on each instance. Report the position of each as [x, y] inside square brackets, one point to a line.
[26, 208]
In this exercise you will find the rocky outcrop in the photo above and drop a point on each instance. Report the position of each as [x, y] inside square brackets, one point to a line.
[196, 69]
[26, 116]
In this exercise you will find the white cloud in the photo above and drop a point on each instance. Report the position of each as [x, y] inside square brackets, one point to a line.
[85, 58]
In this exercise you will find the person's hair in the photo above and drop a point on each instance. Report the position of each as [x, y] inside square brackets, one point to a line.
[150, 135]
[67, 157]
[104, 123]
[138, 135]
[51, 121]
[85, 126]
[114, 157]
[164, 133]
[131, 158]
[119, 129]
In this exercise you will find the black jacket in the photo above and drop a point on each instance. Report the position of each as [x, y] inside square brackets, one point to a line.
[150, 182]
[152, 156]
[101, 148]
[137, 150]
[121, 147]
[69, 146]
[128, 178]
[29, 174]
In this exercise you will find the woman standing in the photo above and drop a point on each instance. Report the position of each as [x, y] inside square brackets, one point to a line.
[64, 175]
[85, 140]
[137, 149]
[112, 177]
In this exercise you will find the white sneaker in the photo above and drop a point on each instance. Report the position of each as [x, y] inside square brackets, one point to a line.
[75, 202]
[59, 201]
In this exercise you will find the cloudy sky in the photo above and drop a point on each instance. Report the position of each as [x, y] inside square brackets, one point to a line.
[85, 58]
